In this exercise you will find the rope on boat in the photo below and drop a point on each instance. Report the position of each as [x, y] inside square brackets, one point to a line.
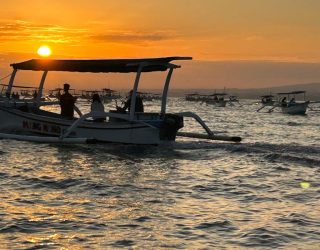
[5, 77]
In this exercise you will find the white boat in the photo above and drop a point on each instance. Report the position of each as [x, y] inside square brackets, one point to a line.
[218, 99]
[289, 104]
[19, 119]
[192, 97]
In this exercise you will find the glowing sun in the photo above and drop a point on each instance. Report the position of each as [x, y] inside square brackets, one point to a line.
[44, 51]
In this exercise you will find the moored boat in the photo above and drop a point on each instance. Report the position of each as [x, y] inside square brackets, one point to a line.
[289, 104]
[218, 99]
[123, 127]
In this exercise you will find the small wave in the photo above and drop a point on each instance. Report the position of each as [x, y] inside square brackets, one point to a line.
[128, 226]
[294, 124]
[143, 219]
[257, 147]
[262, 237]
[219, 225]
[304, 160]
[299, 219]
[49, 182]
[124, 243]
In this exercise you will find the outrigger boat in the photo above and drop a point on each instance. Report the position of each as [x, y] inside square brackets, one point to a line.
[287, 103]
[109, 95]
[192, 97]
[234, 99]
[87, 94]
[290, 105]
[26, 92]
[149, 97]
[19, 119]
[218, 99]
[55, 93]
[266, 100]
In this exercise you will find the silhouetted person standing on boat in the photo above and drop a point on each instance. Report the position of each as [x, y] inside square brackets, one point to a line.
[67, 102]
[35, 94]
[138, 106]
[284, 101]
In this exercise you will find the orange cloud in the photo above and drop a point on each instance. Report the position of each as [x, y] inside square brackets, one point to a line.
[19, 30]
[133, 37]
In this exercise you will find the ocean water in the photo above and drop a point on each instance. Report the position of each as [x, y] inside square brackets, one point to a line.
[263, 193]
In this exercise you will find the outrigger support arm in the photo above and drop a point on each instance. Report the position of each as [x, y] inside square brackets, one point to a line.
[165, 90]
[198, 119]
[10, 85]
[209, 135]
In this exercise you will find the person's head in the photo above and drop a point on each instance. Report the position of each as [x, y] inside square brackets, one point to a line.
[96, 98]
[66, 87]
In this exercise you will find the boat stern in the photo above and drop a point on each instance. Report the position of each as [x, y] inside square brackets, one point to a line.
[170, 126]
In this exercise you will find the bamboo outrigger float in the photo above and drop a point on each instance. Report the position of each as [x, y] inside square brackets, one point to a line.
[19, 119]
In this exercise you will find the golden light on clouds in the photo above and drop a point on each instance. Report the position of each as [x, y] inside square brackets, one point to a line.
[250, 35]
[44, 51]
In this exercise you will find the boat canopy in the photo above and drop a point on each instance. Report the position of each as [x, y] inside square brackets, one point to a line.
[98, 66]
[217, 94]
[266, 96]
[18, 86]
[292, 93]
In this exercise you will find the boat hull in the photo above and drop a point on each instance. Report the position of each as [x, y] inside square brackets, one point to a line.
[14, 120]
[219, 103]
[295, 108]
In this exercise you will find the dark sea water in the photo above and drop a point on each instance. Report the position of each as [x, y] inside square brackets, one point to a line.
[261, 194]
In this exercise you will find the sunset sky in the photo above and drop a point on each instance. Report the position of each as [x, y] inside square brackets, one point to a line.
[253, 43]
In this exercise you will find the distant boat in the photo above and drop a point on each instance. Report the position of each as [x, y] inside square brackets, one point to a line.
[149, 96]
[290, 105]
[266, 100]
[193, 97]
[218, 99]
[108, 94]
[286, 102]
[233, 99]
[26, 92]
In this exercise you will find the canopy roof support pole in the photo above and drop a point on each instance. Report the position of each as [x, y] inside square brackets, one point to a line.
[10, 85]
[40, 90]
[134, 93]
[165, 91]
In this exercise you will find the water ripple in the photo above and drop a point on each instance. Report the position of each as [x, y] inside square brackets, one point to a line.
[262, 193]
